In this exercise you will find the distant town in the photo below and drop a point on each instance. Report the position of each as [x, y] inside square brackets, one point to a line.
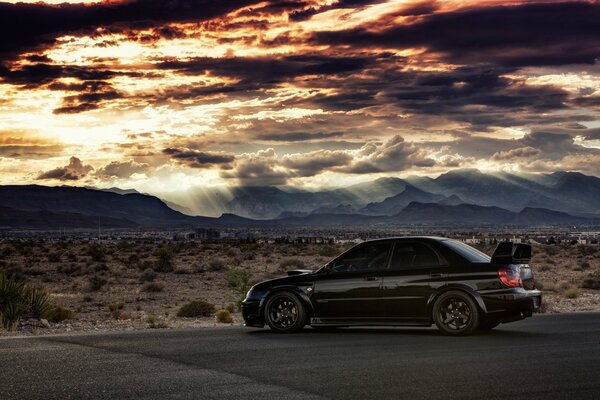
[549, 236]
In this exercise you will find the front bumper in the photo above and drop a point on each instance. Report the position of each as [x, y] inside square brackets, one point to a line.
[251, 313]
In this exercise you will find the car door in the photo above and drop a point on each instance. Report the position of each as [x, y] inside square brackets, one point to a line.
[350, 290]
[407, 283]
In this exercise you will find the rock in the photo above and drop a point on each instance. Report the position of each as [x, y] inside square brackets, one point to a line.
[36, 323]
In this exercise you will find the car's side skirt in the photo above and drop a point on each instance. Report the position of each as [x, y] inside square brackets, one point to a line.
[369, 322]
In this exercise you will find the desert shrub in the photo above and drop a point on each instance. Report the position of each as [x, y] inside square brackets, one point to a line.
[572, 293]
[216, 264]
[196, 308]
[151, 319]
[17, 300]
[182, 271]
[224, 316]
[148, 275]
[230, 307]
[585, 265]
[96, 283]
[101, 267]
[291, 263]
[165, 260]
[72, 257]
[132, 260]
[58, 314]
[239, 280]
[96, 252]
[145, 264]
[54, 257]
[328, 251]
[70, 269]
[116, 306]
[592, 281]
[153, 287]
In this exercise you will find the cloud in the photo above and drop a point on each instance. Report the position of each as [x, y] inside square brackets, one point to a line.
[265, 167]
[121, 169]
[392, 156]
[35, 26]
[72, 172]
[516, 154]
[518, 35]
[313, 163]
[199, 159]
[258, 169]
[296, 136]
[22, 145]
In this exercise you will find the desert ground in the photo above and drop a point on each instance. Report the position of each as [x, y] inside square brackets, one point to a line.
[110, 286]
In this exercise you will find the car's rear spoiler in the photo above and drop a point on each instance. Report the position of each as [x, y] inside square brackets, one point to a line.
[299, 272]
[512, 253]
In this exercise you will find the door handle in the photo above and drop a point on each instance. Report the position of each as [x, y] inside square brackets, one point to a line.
[436, 275]
[370, 278]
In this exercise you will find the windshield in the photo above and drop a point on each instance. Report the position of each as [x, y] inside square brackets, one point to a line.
[468, 252]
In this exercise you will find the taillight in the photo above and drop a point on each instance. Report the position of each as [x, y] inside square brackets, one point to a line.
[510, 277]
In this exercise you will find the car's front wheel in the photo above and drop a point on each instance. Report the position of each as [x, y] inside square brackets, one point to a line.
[285, 313]
[455, 313]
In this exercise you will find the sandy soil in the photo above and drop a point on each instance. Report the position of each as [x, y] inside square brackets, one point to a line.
[123, 273]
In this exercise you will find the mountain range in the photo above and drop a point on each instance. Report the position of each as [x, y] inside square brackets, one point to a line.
[568, 192]
[457, 198]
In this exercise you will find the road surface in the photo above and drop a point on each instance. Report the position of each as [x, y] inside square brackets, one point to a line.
[544, 357]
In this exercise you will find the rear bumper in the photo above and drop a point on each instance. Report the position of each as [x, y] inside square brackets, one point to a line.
[251, 313]
[512, 305]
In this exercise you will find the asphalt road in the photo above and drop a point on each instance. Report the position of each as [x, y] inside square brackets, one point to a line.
[544, 357]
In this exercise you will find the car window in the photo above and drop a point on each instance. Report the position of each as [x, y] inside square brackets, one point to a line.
[468, 252]
[364, 257]
[413, 255]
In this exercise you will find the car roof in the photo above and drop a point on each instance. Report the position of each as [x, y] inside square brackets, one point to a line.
[428, 238]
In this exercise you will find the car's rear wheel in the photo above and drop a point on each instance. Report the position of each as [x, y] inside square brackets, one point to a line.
[455, 313]
[285, 313]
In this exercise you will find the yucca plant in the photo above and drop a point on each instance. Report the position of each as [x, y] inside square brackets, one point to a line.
[18, 300]
[13, 302]
[38, 303]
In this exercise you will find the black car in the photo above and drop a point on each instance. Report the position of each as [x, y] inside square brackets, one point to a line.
[414, 281]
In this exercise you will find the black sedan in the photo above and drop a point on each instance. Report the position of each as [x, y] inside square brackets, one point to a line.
[414, 281]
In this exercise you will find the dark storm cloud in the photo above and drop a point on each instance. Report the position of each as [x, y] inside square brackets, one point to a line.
[268, 70]
[86, 101]
[25, 27]
[35, 75]
[72, 172]
[199, 159]
[523, 35]
[302, 15]
[296, 136]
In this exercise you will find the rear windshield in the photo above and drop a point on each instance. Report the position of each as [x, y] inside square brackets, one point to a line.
[468, 252]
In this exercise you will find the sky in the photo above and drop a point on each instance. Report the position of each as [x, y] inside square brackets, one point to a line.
[168, 96]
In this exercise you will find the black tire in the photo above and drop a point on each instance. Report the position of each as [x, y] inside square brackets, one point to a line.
[285, 313]
[456, 314]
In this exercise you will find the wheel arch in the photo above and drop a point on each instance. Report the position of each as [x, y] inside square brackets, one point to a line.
[287, 288]
[456, 287]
